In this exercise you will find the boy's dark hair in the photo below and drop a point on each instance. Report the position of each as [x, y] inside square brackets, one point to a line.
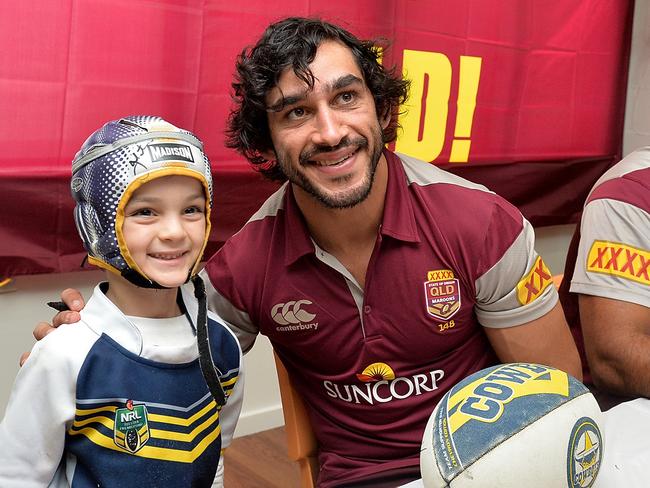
[293, 42]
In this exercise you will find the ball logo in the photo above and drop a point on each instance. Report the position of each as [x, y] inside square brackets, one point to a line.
[291, 312]
[584, 454]
[486, 398]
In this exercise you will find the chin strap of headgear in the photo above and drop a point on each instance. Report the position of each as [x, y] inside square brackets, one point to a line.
[210, 372]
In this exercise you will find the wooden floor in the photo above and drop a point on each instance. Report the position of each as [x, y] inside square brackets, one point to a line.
[260, 461]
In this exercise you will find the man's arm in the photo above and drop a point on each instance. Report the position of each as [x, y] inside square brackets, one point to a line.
[617, 342]
[545, 340]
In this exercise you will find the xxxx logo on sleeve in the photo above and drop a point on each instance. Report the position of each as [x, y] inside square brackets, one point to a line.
[442, 294]
[621, 260]
[534, 283]
[131, 430]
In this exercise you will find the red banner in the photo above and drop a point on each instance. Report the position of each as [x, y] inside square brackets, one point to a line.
[526, 97]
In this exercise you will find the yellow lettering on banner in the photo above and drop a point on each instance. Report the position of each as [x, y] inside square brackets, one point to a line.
[613, 258]
[418, 66]
[428, 105]
[470, 73]
[534, 283]
[548, 381]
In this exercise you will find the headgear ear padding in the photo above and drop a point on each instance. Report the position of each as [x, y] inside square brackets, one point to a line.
[112, 164]
[514, 425]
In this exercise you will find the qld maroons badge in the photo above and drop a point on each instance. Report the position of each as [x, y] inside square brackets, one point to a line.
[442, 294]
[131, 430]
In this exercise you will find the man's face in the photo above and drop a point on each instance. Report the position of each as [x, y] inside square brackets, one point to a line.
[328, 140]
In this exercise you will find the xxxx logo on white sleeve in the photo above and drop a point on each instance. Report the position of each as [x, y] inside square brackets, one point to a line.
[617, 259]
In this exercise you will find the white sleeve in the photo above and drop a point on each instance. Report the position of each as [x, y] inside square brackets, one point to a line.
[218, 479]
[518, 288]
[614, 252]
[230, 412]
[237, 320]
[41, 408]
[228, 417]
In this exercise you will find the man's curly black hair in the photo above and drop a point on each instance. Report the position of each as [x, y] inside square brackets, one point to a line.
[293, 42]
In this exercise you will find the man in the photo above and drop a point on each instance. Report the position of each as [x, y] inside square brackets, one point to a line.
[380, 280]
[609, 279]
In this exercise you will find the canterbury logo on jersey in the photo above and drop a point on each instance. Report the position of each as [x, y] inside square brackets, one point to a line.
[621, 260]
[292, 312]
[534, 283]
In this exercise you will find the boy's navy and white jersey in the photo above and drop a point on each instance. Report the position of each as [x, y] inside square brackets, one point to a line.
[98, 405]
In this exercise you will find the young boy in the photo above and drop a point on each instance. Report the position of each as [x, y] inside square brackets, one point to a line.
[136, 395]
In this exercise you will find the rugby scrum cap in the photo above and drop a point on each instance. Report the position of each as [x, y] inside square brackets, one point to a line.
[113, 163]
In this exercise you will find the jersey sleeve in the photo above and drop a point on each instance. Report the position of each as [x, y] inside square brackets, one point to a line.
[229, 414]
[518, 287]
[40, 409]
[614, 252]
[223, 300]
[219, 477]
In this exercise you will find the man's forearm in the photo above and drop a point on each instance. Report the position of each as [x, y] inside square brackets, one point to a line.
[617, 343]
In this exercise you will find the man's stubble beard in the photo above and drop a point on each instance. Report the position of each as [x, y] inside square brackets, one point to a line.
[344, 199]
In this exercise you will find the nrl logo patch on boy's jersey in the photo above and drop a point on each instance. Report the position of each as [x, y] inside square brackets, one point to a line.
[131, 430]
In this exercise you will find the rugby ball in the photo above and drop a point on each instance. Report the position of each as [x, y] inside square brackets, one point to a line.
[514, 425]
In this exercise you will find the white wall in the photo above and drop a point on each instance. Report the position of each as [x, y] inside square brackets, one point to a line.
[23, 307]
[637, 113]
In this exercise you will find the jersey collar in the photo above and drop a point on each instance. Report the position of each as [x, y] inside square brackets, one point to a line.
[398, 221]
[103, 317]
[399, 218]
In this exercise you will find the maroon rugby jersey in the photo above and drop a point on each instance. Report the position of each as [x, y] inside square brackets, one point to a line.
[609, 255]
[372, 363]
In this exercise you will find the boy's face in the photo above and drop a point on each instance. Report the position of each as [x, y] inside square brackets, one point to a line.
[164, 228]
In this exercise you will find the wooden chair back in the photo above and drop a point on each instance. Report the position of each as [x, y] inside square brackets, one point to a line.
[301, 442]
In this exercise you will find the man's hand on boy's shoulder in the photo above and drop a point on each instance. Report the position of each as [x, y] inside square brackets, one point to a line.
[74, 301]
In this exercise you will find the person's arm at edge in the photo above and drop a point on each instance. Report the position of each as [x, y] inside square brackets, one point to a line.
[546, 340]
[40, 408]
[74, 301]
[617, 341]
